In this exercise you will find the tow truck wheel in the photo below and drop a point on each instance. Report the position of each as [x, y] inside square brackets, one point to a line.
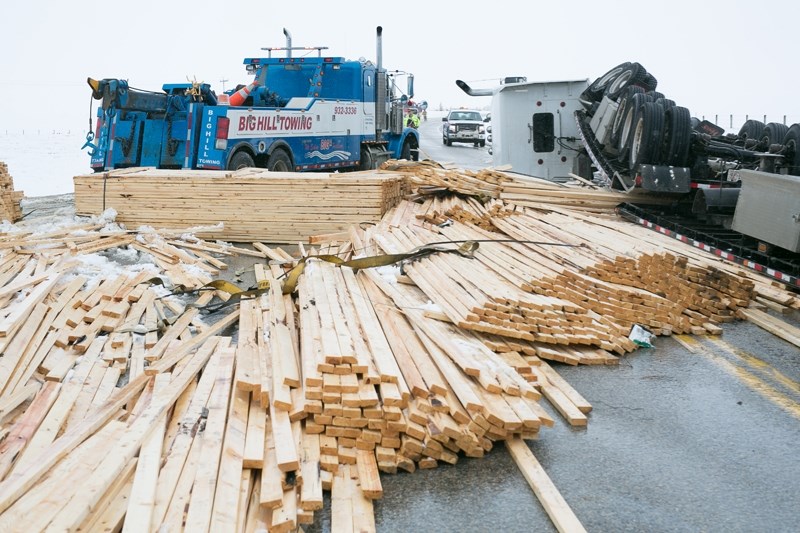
[791, 143]
[241, 160]
[366, 162]
[279, 161]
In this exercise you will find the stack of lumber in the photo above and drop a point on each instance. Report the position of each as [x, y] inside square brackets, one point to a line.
[10, 209]
[251, 204]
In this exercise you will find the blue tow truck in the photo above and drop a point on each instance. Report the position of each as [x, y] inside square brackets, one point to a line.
[299, 114]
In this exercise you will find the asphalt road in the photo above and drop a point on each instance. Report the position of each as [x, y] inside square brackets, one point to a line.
[694, 434]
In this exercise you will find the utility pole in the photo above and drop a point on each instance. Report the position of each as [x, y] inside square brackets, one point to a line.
[223, 80]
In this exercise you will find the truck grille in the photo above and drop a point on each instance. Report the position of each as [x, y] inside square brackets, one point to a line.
[467, 127]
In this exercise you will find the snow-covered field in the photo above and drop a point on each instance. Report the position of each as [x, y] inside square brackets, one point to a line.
[43, 163]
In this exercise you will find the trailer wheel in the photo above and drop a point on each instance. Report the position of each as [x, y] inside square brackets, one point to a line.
[279, 161]
[773, 133]
[629, 123]
[633, 74]
[625, 102]
[751, 129]
[594, 92]
[678, 136]
[647, 135]
[666, 103]
[241, 159]
[791, 143]
[650, 82]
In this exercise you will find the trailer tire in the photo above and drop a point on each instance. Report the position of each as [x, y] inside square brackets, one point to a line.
[751, 129]
[625, 101]
[647, 135]
[650, 82]
[633, 74]
[595, 91]
[791, 143]
[279, 161]
[678, 136]
[241, 159]
[666, 103]
[629, 124]
[773, 133]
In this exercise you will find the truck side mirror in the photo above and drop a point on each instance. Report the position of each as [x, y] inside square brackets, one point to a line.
[410, 90]
[444, 119]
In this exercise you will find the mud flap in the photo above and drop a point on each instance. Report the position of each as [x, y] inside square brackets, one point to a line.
[663, 178]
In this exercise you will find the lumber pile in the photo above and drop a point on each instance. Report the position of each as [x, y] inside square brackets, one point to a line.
[251, 204]
[10, 209]
[139, 392]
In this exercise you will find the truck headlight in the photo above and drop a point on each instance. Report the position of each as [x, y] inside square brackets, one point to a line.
[451, 128]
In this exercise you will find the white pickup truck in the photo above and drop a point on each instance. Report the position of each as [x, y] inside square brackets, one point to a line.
[463, 126]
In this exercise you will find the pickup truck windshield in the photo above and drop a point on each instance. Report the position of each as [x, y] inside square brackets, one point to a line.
[465, 115]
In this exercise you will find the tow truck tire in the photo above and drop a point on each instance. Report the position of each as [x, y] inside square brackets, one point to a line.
[773, 133]
[406, 153]
[279, 161]
[241, 159]
[678, 136]
[751, 129]
[647, 135]
[366, 162]
[791, 143]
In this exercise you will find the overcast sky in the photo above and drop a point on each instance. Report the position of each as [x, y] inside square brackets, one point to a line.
[714, 57]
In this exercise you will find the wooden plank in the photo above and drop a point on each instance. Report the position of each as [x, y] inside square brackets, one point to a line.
[198, 515]
[311, 489]
[142, 496]
[226, 498]
[554, 504]
[368, 475]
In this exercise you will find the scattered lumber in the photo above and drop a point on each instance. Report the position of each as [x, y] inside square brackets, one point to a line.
[125, 403]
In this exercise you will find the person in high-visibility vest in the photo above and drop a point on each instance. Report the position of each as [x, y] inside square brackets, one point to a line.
[413, 119]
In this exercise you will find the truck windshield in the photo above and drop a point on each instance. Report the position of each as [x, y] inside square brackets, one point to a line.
[466, 115]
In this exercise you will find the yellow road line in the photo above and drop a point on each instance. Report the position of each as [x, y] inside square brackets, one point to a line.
[748, 378]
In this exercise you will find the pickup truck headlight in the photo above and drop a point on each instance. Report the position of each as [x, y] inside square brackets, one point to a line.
[481, 129]
[451, 128]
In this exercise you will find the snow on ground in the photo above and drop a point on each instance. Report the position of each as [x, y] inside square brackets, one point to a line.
[43, 163]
